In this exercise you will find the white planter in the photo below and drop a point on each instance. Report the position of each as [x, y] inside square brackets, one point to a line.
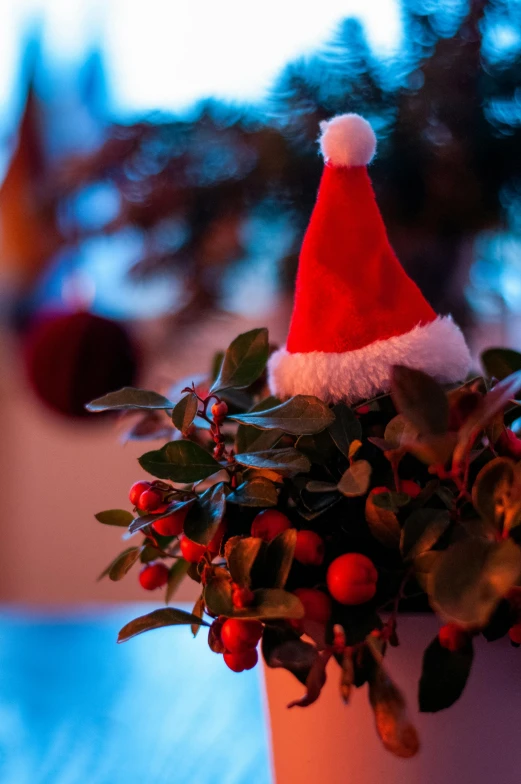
[476, 741]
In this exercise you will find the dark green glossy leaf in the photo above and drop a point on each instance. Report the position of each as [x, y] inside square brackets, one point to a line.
[167, 616]
[422, 530]
[494, 402]
[500, 362]
[178, 572]
[244, 361]
[257, 492]
[129, 398]
[141, 521]
[315, 486]
[319, 448]
[251, 439]
[180, 461]
[444, 675]
[420, 399]
[470, 578]
[300, 415]
[241, 553]
[204, 517]
[272, 603]
[121, 564]
[118, 517]
[184, 412]
[382, 522]
[218, 593]
[279, 558]
[356, 479]
[396, 732]
[345, 429]
[496, 494]
[282, 647]
[284, 461]
[198, 612]
[391, 501]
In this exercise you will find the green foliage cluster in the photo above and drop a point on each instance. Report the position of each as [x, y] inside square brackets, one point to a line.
[452, 546]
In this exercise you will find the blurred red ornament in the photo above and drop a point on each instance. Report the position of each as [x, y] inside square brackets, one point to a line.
[73, 358]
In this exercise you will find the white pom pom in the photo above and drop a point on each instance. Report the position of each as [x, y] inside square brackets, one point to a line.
[347, 140]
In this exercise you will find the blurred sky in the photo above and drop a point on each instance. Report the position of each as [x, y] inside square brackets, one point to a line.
[165, 54]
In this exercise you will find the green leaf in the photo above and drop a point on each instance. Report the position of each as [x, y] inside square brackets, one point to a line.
[420, 399]
[356, 479]
[272, 603]
[257, 492]
[470, 578]
[241, 553]
[167, 616]
[141, 521]
[382, 520]
[284, 461]
[396, 732]
[198, 612]
[391, 501]
[398, 431]
[244, 361]
[178, 571]
[444, 675]
[204, 517]
[180, 461]
[300, 415]
[422, 530]
[316, 486]
[345, 429]
[500, 362]
[185, 412]
[485, 411]
[121, 564]
[496, 494]
[282, 647]
[117, 517]
[129, 398]
[319, 448]
[218, 593]
[279, 558]
[251, 439]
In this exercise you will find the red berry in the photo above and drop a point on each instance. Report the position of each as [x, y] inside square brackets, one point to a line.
[240, 635]
[317, 605]
[309, 549]
[219, 410]
[268, 524]
[172, 525]
[515, 633]
[452, 637]
[352, 578]
[191, 551]
[242, 598]
[410, 487]
[150, 500]
[136, 490]
[244, 660]
[153, 576]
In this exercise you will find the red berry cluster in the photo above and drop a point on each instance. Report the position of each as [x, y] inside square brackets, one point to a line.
[238, 640]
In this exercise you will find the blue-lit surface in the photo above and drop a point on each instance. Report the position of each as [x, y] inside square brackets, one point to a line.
[159, 709]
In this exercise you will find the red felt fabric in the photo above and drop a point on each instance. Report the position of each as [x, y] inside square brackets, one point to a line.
[351, 289]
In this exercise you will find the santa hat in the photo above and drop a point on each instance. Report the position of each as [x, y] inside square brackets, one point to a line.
[356, 311]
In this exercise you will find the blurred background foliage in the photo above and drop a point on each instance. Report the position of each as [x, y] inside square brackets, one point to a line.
[176, 216]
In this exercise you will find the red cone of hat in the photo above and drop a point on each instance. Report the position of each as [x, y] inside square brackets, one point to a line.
[356, 310]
